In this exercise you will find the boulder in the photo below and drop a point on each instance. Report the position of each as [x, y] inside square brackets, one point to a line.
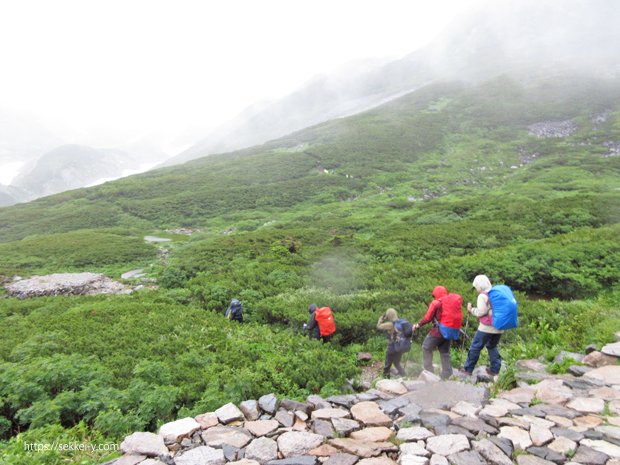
[261, 427]
[491, 452]
[373, 434]
[177, 430]
[519, 437]
[597, 359]
[143, 443]
[612, 349]
[608, 374]
[342, 459]
[391, 387]
[414, 433]
[203, 455]
[268, 403]
[207, 420]
[329, 413]
[447, 444]
[262, 450]
[370, 414]
[229, 413]
[220, 435]
[250, 409]
[587, 404]
[344, 426]
[298, 443]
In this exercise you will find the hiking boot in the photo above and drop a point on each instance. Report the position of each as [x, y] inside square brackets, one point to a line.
[491, 373]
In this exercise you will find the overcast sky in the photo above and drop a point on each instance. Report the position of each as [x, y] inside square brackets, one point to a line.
[97, 72]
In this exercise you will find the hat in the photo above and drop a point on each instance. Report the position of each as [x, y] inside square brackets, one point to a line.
[311, 307]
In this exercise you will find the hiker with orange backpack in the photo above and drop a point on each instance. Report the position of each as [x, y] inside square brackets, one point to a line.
[321, 324]
[446, 315]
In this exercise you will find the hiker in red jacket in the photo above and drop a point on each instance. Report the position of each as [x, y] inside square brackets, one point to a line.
[434, 339]
[321, 323]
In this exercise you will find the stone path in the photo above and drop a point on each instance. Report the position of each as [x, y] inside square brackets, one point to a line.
[567, 419]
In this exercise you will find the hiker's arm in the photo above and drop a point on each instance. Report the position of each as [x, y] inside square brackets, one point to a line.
[311, 323]
[482, 306]
[384, 325]
[430, 314]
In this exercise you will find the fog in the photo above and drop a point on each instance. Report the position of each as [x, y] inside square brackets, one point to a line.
[139, 83]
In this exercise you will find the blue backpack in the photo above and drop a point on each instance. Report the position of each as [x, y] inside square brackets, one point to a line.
[504, 307]
[404, 333]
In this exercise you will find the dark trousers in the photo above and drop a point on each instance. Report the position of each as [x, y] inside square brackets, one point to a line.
[392, 358]
[443, 346]
[480, 341]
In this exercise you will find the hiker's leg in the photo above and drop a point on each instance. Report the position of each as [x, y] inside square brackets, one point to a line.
[429, 344]
[389, 358]
[444, 354]
[495, 359]
[477, 344]
[397, 365]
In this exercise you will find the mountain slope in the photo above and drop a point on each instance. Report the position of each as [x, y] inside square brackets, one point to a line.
[494, 39]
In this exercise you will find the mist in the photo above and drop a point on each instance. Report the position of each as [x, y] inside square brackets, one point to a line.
[127, 87]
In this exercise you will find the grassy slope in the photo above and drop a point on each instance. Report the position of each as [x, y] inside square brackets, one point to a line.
[353, 238]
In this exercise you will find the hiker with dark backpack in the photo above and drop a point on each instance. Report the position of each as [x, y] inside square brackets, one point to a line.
[399, 333]
[496, 309]
[446, 315]
[321, 324]
[234, 312]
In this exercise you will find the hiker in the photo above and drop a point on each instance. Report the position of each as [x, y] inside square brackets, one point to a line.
[486, 335]
[399, 342]
[321, 324]
[234, 312]
[445, 314]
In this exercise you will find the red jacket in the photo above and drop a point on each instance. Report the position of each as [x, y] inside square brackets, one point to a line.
[434, 311]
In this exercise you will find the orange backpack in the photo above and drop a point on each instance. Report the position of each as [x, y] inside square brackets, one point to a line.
[325, 320]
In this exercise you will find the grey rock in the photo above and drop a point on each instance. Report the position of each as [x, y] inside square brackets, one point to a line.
[220, 435]
[300, 460]
[474, 425]
[547, 454]
[612, 349]
[262, 450]
[533, 411]
[578, 370]
[469, 457]
[567, 433]
[447, 394]
[597, 435]
[415, 433]
[285, 417]
[504, 444]
[324, 428]
[127, 460]
[367, 397]
[250, 409]
[432, 419]
[453, 429]
[588, 456]
[231, 453]
[532, 460]
[345, 426]
[343, 401]
[294, 405]
[229, 413]
[558, 410]
[583, 383]
[491, 452]
[268, 403]
[447, 444]
[298, 443]
[342, 459]
[142, 443]
[179, 429]
[411, 412]
[564, 355]
[65, 284]
[317, 402]
[203, 455]
[392, 405]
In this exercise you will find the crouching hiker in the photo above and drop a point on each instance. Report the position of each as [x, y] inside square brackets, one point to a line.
[234, 312]
[399, 333]
[321, 324]
[446, 315]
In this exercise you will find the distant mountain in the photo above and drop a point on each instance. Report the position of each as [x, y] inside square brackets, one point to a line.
[22, 139]
[497, 38]
[73, 166]
[10, 195]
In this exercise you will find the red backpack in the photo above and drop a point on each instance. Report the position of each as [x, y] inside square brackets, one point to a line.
[325, 320]
[451, 318]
